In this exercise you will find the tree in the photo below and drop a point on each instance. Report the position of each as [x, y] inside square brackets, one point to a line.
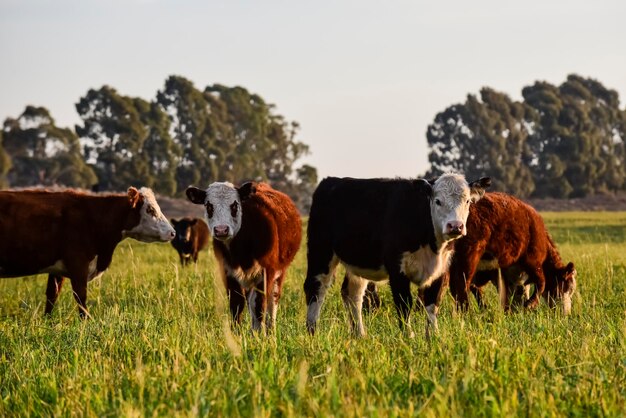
[42, 153]
[5, 165]
[113, 135]
[194, 129]
[560, 142]
[159, 152]
[579, 144]
[483, 137]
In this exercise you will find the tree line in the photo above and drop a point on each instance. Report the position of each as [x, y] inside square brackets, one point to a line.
[565, 141]
[184, 136]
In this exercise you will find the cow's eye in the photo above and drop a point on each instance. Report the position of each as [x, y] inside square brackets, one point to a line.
[151, 211]
[469, 201]
[209, 210]
[437, 202]
[233, 209]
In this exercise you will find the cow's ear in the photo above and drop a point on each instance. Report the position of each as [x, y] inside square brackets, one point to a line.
[570, 268]
[477, 188]
[195, 195]
[423, 186]
[246, 190]
[134, 197]
[193, 221]
[173, 221]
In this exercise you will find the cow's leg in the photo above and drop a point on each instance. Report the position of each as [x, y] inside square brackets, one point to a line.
[320, 273]
[182, 259]
[236, 299]
[402, 298]
[431, 298]
[273, 299]
[257, 301]
[481, 279]
[79, 288]
[52, 291]
[537, 277]
[352, 290]
[462, 273]
[371, 299]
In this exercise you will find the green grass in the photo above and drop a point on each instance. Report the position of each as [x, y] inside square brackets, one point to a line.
[159, 345]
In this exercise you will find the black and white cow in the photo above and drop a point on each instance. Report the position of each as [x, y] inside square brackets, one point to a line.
[385, 228]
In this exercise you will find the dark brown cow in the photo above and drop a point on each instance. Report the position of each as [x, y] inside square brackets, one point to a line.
[73, 234]
[511, 232]
[560, 281]
[192, 236]
[256, 234]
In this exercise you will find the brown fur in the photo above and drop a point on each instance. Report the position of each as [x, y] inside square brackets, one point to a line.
[40, 228]
[511, 231]
[198, 238]
[268, 241]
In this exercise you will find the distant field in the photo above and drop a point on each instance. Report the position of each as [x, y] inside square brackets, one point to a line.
[158, 346]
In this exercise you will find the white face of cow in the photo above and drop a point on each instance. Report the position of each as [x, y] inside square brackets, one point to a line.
[450, 202]
[153, 225]
[222, 202]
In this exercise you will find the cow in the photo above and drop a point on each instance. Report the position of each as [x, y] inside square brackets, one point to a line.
[560, 281]
[511, 233]
[73, 234]
[256, 234]
[399, 229]
[192, 236]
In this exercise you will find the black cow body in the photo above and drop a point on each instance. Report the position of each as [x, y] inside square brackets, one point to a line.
[379, 229]
[192, 236]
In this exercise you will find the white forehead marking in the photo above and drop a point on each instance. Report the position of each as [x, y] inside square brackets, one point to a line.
[221, 191]
[452, 184]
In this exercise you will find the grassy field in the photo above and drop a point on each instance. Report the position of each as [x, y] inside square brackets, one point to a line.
[159, 345]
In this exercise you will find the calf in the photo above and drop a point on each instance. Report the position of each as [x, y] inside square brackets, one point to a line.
[73, 234]
[256, 234]
[379, 228]
[192, 236]
[560, 281]
[512, 233]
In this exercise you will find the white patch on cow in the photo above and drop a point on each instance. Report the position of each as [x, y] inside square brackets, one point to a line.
[246, 278]
[153, 225]
[272, 303]
[449, 204]
[57, 268]
[375, 275]
[423, 266]
[353, 301]
[222, 197]
[92, 272]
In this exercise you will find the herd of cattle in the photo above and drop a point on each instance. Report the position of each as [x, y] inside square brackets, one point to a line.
[436, 234]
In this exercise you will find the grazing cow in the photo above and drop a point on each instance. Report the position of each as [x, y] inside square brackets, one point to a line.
[73, 234]
[512, 233]
[192, 236]
[379, 228]
[256, 234]
[560, 281]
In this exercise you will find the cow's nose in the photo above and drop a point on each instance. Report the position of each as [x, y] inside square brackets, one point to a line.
[455, 227]
[220, 230]
[172, 234]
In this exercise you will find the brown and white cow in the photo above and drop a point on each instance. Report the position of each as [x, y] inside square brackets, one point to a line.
[192, 236]
[399, 229]
[73, 234]
[560, 281]
[256, 234]
[512, 233]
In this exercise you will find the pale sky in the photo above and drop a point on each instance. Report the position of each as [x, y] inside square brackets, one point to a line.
[363, 78]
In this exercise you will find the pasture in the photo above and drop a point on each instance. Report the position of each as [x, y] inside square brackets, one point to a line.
[159, 344]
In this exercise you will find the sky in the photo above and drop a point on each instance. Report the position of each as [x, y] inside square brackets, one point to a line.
[362, 78]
